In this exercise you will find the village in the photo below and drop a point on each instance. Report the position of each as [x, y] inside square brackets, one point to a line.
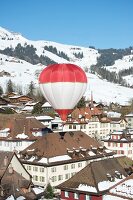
[39, 150]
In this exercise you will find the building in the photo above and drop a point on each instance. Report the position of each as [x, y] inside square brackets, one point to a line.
[129, 119]
[120, 142]
[91, 121]
[117, 123]
[47, 108]
[45, 119]
[18, 132]
[56, 157]
[122, 191]
[15, 180]
[21, 99]
[93, 181]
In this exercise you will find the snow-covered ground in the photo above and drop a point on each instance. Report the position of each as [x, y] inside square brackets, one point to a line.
[22, 73]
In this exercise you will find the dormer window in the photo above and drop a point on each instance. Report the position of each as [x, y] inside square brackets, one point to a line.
[110, 178]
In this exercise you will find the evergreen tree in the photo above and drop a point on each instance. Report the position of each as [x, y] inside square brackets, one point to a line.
[49, 192]
[81, 103]
[9, 87]
[31, 89]
[37, 109]
[1, 91]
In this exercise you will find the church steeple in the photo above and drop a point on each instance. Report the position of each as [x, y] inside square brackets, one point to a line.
[91, 105]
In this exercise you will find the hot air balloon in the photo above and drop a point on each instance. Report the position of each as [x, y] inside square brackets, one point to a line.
[63, 85]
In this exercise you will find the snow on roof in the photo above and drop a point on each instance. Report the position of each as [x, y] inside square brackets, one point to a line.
[46, 105]
[91, 153]
[32, 158]
[124, 189]
[44, 117]
[113, 114]
[59, 158]
[14, 97]
[105, 185]
[22, 136]
[38, 190]
[43, 160]
[12, 198]
[87, 188]
[5, 130]
[129, 115]
[27, 108]
[109, 197]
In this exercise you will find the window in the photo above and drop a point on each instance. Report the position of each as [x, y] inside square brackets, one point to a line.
[76, 196]
[35, 169]
[87, 197]
[65, 167]
[42, 179]
[70, 126]
[67, 176]
[41, 169]
[121, 144]
[72, 166]
[53, 169]
[54, 178]
[74, 126]
[28, 167]
[79, 164]
[66, 194]
[35, 178]
[60, 177]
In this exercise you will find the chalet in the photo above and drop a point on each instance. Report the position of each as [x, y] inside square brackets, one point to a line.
[117, 124]
[23, 99]
[3, 101]
[121, 142]
[18, 132]
[56, 157]
[93, 181]
[14, 178]
[47, 107]
[28, 107]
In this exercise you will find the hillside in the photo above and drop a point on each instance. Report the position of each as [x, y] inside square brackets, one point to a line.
[22, 72]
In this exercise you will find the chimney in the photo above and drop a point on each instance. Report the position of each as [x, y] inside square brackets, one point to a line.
[5, 161]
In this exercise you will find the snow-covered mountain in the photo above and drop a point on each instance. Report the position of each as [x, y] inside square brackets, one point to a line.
[11, 39]
[22, 72]
[121, 64]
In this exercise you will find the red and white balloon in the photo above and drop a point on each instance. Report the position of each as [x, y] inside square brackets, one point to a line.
[63, 85]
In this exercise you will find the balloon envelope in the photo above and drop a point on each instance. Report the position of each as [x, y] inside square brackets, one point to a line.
[63, 85]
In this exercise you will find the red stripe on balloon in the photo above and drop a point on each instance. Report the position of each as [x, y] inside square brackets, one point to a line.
[62, 73]
[63, 113]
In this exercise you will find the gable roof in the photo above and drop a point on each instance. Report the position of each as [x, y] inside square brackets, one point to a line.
[93, 178]
[21, 124]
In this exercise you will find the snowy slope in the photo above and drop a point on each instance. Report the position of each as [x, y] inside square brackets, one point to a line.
[11, 39]
[125, 63]
[22, 72]
[107, 92]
